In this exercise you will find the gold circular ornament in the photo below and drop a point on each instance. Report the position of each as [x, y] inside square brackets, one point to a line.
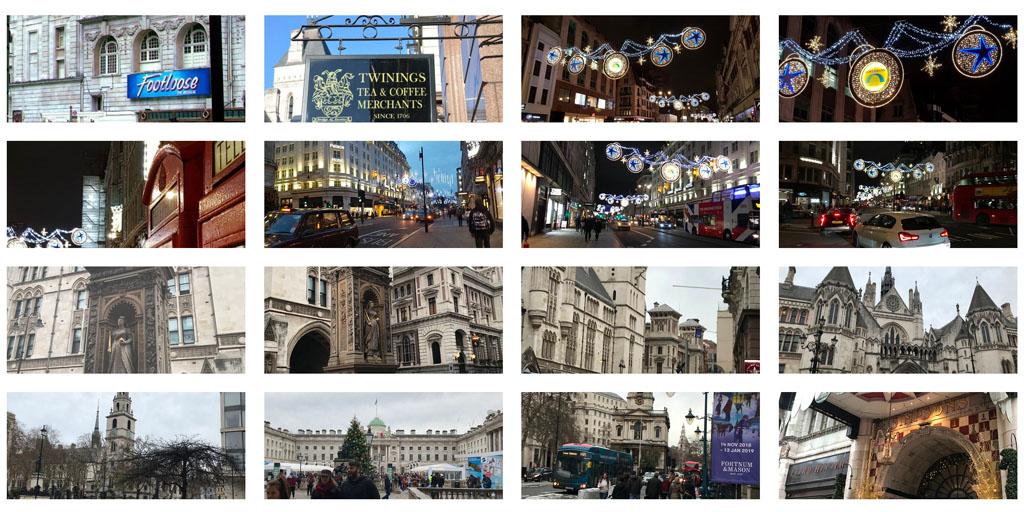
[615, 65]
[977, 53]
[793, 76]
[661, 55]
[876, 77]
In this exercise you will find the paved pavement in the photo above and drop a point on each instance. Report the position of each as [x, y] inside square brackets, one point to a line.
[636, 236]
[801, 234]
[385, 232]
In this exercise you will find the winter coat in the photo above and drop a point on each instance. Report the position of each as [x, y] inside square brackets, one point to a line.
[322, 492]
[361, 488]
[635, 484]
[654, 487]
[481, 209]
[675, 490]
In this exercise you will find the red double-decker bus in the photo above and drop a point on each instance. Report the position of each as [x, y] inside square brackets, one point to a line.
[986, 198]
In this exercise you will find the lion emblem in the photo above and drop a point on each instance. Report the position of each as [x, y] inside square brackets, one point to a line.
[331, 94]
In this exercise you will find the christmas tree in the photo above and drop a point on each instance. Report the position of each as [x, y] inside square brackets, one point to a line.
[355, 447]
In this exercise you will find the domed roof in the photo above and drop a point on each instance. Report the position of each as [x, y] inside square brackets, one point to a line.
[376, 422]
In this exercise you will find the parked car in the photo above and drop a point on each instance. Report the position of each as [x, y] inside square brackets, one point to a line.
[901, 229]
[838, 220]
[539, 475]
[312, 228]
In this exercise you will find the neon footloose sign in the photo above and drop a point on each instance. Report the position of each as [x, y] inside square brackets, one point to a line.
[736, 438]
[162, 84]
[369, 88]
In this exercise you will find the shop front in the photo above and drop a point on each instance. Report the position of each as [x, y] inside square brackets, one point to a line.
[822, 478]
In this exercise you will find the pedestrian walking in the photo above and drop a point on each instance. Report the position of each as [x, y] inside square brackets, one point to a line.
[620, 490]
[653, 488]
[635, 484]
[787, 212]
[387, 487]
[326, 487]
[675, 490]
[588, 227]
[525, 232]
[481, 224]
[458, 215]
[310, 481]
[293, 483]
[598, 226]
[666, 484]
[357, 486]
[602, 486]
[579, 226]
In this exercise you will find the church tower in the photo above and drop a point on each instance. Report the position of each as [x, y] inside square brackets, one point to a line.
[887, 281]
[97, 437]
[869, 293]
[120, 426]
[638, 400]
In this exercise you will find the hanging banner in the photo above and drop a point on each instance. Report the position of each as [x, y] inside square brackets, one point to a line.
[736, 438]
[369, 89]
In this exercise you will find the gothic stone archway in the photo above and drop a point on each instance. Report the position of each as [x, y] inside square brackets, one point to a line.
[310, 350]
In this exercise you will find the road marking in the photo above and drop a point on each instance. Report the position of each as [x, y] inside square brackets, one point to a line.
[404, 238]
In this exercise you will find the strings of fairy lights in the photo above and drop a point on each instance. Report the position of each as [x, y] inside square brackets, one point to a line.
[660, 52]
[56, 239]
[669, 167]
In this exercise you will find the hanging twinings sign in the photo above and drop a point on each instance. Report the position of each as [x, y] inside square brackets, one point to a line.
[369, 89]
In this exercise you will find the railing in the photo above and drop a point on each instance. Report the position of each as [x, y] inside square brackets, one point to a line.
[451, 493]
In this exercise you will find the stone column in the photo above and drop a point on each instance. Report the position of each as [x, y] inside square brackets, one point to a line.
[860, 457]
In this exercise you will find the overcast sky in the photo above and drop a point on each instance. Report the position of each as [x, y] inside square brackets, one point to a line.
[700, 303]
[157, 415]
[678, 405]
[942, 288]
[420, 411]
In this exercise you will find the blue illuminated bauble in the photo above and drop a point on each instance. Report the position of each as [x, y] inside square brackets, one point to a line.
[652, 98]
[670, 172]
[793, 77]
[977, 53]
[14, 242]
[705, 96]
[576, 64]
[53, 243]
[858, 164]
[704, 171]
[613, 151]
[635, 164]
[930, 167]
[694, 102]
[661, 103]
[661, 55]
[917, 174]
[872, 171]
[723, 163]
[693, 38]
[554, 55]
[79, 236]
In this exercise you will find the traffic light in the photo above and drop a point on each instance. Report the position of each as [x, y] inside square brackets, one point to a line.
[362, 198]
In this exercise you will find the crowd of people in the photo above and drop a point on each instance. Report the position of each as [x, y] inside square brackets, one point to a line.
[327, 484]
[632, 486]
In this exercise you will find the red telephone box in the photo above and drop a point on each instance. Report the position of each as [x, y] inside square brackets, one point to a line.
[195, 195]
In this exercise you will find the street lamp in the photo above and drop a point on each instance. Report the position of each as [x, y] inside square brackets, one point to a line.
[369, 443]
[301, 458]
[819, 350]
[704, 439]
[423, 186]
[39, 465]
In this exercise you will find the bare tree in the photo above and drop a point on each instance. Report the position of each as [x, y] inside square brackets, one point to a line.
[548, 419]
[185, 463]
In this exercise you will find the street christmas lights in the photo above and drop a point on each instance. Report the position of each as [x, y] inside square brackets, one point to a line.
[56, 239]
[670, 168]
[896, 172]
[614, 63]
[681, 101]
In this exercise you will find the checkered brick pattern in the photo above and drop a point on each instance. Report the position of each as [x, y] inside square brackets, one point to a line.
[979, 428]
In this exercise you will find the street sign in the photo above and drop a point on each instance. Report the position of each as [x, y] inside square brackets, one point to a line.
[369, 88]
[161, 84]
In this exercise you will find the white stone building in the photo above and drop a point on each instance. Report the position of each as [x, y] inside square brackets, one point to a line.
[76, 68]
[314, 174]
[54, 312]
[671, 198]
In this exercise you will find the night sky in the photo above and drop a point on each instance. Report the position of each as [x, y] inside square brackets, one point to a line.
[44, 181]
[991, 98]
[689, 72]
[613, 177]
[885, 152]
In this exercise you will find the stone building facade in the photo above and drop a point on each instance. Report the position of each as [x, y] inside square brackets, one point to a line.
[182, 319]
[427, 319]
[76, 68]
[312, 174]
[742, 293]
[583, 319]
[397, 448]
[738, 76]
[887, 334]
[558, 182]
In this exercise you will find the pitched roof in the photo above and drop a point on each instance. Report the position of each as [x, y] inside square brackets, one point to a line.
[587, 279]
[946, 329]
[795, 292]
[864, 317]
[664, 308]
[308, 48]
[840, 275]
[981, 300]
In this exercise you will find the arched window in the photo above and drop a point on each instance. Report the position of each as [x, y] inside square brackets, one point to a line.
[149, 52]
[194, 48]
[803, 316]
[107, 62]
[833, 312]
[618, 430]
[637, 430]
[817, 315]
[892, 335]
[115, 423]
[657, 432]
[849, 314]
[985, 336]
[129, 425]
[999, 333]
[783, 312]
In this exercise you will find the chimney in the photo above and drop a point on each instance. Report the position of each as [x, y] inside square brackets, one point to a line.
[789, 276]
[412, 432]
[1007, 312]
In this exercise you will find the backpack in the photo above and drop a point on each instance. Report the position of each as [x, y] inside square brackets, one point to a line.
[478, 221]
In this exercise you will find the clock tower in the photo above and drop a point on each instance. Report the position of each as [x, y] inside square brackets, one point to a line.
[639, 400]
[120, 426]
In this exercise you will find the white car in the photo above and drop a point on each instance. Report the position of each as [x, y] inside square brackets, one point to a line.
[900, 229]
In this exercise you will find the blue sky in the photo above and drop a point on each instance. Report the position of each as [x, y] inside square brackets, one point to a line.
[277, 38]
[440, 159]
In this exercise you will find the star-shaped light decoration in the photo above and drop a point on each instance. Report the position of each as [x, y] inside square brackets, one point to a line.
[650, 41]
[949, 23]
[640, 61]
[678, 49]
[1011, 38]
[587, 49]
[825, 82]
[647, 152]
[593, 64]
[930, 65]
[814, 44]
[982, 53]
